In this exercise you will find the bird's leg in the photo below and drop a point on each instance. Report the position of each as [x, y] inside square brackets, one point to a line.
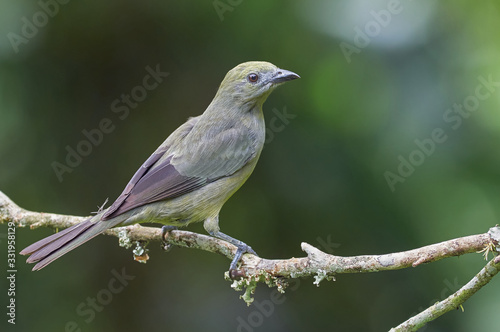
[164, 230]
[212, 227]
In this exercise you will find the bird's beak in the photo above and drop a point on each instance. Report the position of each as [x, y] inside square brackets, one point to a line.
[283, 75]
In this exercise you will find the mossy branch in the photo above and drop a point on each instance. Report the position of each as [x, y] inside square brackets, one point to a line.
[274, 272]
[453, 301]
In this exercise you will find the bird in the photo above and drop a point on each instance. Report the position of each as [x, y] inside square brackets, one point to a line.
[192, 173]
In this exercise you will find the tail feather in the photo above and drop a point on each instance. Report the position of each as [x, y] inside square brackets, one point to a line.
[49, 239]
[51, 248]
[47, 249]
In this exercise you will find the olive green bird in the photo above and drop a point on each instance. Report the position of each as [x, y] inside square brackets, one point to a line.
[193, 173]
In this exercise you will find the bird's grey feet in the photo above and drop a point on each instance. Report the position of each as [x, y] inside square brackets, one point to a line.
[164, 230]
[242, 248]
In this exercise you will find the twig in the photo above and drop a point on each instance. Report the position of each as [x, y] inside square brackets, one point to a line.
[453, 301]
[321, 265]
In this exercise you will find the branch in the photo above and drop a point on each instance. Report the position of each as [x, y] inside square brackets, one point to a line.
[319, 264]
[453, 301]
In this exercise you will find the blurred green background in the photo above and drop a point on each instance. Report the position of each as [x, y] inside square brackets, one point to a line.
[376, 77]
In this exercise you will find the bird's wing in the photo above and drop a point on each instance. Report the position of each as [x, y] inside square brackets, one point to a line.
[218, 155]
[170, 173]
[158, 161]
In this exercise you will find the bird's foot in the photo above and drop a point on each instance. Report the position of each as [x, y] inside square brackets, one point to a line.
[164, 230]
[242, 248]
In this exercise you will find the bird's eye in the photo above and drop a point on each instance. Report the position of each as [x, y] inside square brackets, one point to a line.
[253, 78]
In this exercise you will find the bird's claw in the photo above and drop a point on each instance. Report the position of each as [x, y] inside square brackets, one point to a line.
[241, 250]
[164, 230]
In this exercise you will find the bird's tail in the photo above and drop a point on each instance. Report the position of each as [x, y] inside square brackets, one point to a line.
[52, 247]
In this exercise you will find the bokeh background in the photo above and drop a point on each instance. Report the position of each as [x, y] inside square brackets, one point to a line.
[363, 100]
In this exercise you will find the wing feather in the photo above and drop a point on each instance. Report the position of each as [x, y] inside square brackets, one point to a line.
[182, 166]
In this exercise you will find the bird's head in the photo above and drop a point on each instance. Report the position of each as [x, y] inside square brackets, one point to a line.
[252, 82]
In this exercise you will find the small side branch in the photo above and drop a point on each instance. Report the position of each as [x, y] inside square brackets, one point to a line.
[454, 301]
